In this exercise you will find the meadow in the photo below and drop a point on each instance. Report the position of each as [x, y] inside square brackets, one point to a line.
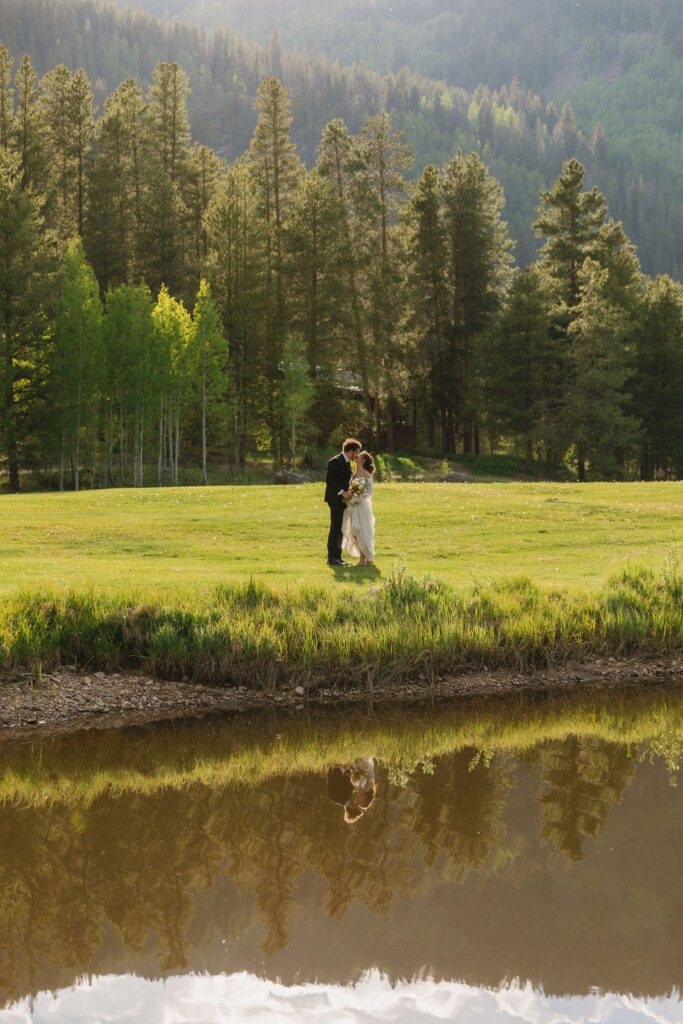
[185, 541]
[229, 585]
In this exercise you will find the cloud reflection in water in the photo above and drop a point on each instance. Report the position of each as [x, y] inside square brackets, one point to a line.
[203, 999]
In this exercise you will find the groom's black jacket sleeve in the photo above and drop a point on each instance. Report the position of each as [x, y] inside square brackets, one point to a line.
[337, 478]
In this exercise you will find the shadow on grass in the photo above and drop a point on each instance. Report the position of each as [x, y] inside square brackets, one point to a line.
[355, 573]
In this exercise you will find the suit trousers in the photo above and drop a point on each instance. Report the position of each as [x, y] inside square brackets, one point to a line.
[334, 540]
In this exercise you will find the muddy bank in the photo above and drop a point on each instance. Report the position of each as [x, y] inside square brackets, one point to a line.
[68, 699]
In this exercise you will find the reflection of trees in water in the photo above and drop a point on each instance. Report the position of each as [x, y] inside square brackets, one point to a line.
[462, 816]
[136, 862]
[581, 779]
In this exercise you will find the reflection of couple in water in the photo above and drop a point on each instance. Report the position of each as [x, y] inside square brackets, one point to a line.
[353, 786]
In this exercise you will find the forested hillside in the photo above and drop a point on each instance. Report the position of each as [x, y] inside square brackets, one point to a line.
[522, 135]
[464, 41]
[618, 62]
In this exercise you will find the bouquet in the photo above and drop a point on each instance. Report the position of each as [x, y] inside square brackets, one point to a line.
[358, 488]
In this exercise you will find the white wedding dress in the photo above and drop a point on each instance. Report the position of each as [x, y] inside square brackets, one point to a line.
[358, 528]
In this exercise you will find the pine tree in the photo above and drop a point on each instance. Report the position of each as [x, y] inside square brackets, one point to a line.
[276, 170]
[236, 269]
[657, 385]
[566, 134]
[204, 175]
[385, 160]
[82, 119]
[168, 120]
[571, 221]
[316, 263]
[27, 267]
[166, 219]
[116, 186]
[7, 117]
[576, 229]
[68, 114]
[207, 358]
[517, 366]
[478, 269]
[31, 129]
[427, 313]
[340, 161]
[600, 363]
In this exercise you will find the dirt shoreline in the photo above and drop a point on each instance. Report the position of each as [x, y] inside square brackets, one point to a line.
[67, 699]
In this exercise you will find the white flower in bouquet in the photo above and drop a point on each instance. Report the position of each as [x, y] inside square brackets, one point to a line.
[358, 488]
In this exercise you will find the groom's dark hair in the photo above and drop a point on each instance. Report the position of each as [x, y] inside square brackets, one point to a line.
[350, 444]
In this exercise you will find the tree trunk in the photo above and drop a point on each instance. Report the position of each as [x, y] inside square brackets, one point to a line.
[467, 432]
[204, 475]
[61, 462]
[529, 457]
[74, 463]
[141, 452]
[293, 441]
[135, 450]
[160, 455]
[77, 437]
[121, 451]
[110, 454]
[169, 438]
[177, 444]
[11, 430]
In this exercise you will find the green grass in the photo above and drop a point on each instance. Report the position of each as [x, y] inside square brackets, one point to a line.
[229, 584]
[80, 769]
[188, 540]
[407, 628]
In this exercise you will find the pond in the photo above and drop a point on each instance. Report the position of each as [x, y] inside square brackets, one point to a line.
[514, 860]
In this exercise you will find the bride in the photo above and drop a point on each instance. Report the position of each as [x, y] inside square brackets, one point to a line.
[358, 527]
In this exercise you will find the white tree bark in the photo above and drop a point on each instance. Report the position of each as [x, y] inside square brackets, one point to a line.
[206, 479]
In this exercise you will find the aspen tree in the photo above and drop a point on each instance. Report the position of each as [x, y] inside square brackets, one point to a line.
[77, 348]
[207, 358]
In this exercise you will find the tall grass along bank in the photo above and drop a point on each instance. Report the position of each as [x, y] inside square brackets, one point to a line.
[405, 628]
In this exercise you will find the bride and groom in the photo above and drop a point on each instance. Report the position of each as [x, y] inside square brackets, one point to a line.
[349, 495]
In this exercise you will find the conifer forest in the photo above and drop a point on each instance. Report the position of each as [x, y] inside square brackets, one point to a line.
[242, 247]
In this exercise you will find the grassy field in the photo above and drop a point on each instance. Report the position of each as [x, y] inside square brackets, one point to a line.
[188, 540]
[230, 585]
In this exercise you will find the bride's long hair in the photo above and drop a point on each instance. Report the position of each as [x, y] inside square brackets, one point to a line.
[368, 463]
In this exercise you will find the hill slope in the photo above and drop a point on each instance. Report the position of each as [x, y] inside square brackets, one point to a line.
[522, 137]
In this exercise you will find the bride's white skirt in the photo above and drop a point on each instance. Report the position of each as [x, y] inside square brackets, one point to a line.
[358, 530]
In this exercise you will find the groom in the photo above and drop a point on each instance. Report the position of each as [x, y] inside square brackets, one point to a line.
[337, 482]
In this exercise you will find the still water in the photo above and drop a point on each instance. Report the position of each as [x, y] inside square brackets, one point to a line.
[384, 869]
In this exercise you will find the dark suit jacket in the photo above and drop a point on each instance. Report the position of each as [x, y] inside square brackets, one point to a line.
[337, 478]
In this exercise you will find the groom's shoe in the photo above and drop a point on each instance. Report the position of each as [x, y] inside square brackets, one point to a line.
[336, 561]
